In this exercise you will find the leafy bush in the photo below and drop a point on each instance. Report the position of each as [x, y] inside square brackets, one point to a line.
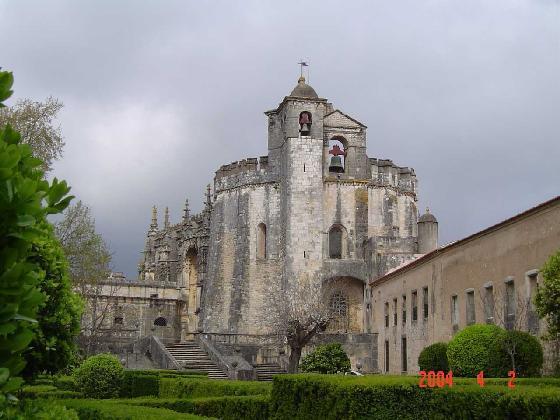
[341, 397]
[477, 348]
[25, 201]
[100, 376]
[327, 358]
[186, 388]
[434, 358]
[37, 409]
[547, 300]
[47, 391]
[112, 410]
[54, 344]
[227, 408]
[522, 352]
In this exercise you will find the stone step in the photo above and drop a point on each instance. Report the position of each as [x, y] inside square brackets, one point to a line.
[190, 356]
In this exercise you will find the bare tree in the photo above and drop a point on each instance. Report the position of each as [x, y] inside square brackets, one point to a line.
[89, 260]
[509, 310]
[298, 313]
[35, 122]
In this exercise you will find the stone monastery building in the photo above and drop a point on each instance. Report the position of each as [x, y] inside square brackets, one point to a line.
[316, 207]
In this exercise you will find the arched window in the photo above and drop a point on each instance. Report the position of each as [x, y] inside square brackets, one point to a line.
[337, 148]
[305, 122]
[338, 306]
[160, 322]
[261, 241]
[337, 246]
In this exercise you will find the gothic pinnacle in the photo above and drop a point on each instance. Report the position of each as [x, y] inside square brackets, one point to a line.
[166, 221]
[186, 211]
[208, 197]
[154, 224]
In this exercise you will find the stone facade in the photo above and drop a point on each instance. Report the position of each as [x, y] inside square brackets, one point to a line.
[488, 277]
[275, 219]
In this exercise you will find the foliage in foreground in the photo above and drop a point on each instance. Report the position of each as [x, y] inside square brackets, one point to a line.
[547, 300]
[37, 409]
[337, 397]
[434, 357]
[327, 358]
[522, 352]
[100, 376]
[25, 201]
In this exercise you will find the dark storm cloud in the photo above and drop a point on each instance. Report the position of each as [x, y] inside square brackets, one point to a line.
[158, 95]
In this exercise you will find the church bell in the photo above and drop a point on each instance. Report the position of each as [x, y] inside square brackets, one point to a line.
[336, 164]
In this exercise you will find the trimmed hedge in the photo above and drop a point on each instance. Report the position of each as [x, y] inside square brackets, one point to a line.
[227, 408]
[100, 376]
[186, 388]
[65, 383]
[336, 397]
[476, 348]
[326, 358]
[434, 357]
[113, 410]
[167, 372]
[528, 353]
[36, 409]
[139, 385]
[46, 391]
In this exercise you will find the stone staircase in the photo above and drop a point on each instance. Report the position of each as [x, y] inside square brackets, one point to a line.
[266, 371]
[190, 356]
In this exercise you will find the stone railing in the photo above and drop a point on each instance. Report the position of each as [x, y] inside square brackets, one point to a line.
[230, 338]
[156, 351]
[235, 366]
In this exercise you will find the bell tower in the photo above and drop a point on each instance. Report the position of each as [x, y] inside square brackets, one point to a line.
[296, 151]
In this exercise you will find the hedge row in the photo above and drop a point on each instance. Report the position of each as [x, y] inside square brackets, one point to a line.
[332, 397]
[113, 410]
[187, 388]
[227, 408]
[167, 372]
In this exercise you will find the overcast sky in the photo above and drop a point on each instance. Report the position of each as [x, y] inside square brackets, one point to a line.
[159, 94]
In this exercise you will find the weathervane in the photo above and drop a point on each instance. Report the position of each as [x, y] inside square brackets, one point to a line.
[303, 64]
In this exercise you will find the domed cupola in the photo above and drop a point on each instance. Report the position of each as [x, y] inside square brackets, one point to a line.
[303, 90]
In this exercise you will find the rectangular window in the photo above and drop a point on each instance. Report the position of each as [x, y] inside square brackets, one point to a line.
[404, 309]
[414, 305]
[510, 304]
[386, 314]
[404, 360]
[532, 317]
[489, 304]
[470, 307]
[387, 356]
[395, 312]
[454, 311]
[425, 301]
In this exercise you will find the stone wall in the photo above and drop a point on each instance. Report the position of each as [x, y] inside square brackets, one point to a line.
[511, 252]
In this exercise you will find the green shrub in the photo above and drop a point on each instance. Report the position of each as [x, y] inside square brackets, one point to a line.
[37, 410]
[327, 358]
[434, 358]
[341, 397]
[226, 408]
[476, 348]
[186, 388]
[139, 385]
[100, 376]
[65, 383]
[112, 410]
[547, 300]
[25, 201]
[526, 352]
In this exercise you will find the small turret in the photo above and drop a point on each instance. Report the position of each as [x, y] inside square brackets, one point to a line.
[166, 219]
[154, 224]
[427, 233]
[186, 211]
